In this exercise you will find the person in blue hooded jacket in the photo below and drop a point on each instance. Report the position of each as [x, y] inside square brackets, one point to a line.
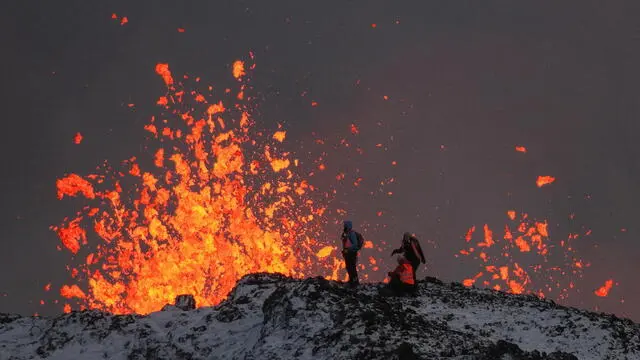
[350, 252]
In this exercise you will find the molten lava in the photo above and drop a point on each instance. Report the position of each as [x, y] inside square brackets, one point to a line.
[603, 291]
[520, 261]
[545, 180]
[214, 201]
[77, 139]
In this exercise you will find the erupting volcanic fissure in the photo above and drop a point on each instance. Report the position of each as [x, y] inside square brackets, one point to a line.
[213, 198]
[214, 201]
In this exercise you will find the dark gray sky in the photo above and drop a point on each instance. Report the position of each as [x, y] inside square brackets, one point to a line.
[561, 80]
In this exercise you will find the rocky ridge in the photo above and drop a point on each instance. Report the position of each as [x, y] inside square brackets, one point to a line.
[270, 316]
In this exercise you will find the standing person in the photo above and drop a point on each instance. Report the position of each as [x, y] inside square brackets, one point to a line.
[351, 243]
[412, 251]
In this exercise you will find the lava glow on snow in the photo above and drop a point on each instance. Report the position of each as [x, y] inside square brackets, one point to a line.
[213, 199]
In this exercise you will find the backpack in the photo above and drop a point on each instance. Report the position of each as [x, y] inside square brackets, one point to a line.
[415, 249]
[360, 242]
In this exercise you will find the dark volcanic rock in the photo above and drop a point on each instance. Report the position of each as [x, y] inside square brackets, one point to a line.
[433, 280]
[185, 302]
[276, 317]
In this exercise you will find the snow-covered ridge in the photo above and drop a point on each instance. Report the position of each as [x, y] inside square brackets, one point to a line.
[270, 316]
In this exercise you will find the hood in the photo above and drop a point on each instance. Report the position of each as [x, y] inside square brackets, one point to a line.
[406, 237]
[348, 225]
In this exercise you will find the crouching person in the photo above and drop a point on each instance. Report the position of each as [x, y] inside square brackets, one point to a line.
[401, 279]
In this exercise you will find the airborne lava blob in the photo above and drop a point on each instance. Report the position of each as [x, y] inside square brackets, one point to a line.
[214, 201]
[544, 180]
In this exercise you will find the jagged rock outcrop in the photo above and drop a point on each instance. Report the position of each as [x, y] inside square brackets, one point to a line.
[270, 316]
[184, 302]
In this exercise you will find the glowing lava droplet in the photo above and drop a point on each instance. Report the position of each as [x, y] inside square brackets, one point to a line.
[545, 180]
[603, 291]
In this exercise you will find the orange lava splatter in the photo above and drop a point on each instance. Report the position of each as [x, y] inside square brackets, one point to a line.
[324, 252]
[78, 138]
[215, 202]
[280, 135]
[521, 149]
[159, 158]
[74, 184]
[488, 237]
[469, 234]
[124, 20]
[238, 69]
[162, 101]
[544, 180]
[71, 292]
[502, 259]
[72, 235]
[603, 291]
[163, 70]
[470, 282]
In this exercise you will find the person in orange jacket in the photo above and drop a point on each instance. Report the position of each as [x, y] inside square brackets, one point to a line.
[411, 249]
[402, 279]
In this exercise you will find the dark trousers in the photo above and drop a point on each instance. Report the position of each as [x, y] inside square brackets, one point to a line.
[351, 262]
[399, 288]
[414, 266]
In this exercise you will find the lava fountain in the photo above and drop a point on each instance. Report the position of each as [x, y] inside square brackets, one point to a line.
[212, 199]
